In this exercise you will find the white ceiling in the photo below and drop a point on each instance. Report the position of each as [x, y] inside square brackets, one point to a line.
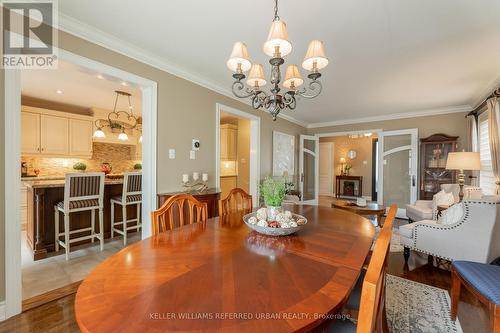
[387, 57]
[80, 87]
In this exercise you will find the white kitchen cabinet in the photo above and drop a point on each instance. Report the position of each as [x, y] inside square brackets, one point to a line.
[30, 133]
[80, 137]
[54, 136]
[228, 142]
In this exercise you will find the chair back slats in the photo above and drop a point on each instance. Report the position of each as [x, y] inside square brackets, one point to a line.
[372, 306]
[132, 184]
[177, 211]
[236, 200]
[83, 186]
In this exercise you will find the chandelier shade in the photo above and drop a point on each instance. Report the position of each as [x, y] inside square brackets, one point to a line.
[256, 76]
[277, 44]
[293, 79]
[315, 57]
[239, 59]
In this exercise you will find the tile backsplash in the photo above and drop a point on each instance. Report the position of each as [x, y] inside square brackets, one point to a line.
[120, 157]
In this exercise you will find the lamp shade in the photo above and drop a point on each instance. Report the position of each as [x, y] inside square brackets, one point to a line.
[239, 56]
[277, 38]
[342, 160]
[315, 57]
[256, 76]
[292, 77]
[463, 161]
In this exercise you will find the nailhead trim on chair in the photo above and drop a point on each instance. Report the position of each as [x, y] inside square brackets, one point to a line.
[453, 226]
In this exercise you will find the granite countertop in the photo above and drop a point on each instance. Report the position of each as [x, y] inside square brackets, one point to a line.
[48, 183]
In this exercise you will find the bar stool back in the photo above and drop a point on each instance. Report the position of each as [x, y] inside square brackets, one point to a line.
[131, 195]
[82, 191]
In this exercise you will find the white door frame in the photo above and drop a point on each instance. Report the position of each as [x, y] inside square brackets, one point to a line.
[316, 167]
[331, 146]
[13, 287]
[413, 169]
[254, 147]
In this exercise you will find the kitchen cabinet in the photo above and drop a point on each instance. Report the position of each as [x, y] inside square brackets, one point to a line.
[228, 142]
[30, 133]
[54, 136]
[53, 133]
[80, 137]
[227, 183]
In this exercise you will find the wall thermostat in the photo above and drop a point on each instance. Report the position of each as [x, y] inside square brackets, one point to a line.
[196, 144]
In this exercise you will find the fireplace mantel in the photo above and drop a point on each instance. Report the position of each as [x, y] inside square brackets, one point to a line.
[348, 186]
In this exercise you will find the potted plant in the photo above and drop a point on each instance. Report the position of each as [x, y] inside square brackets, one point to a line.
[106, 168]
[116, 127]
[80, 166]
[273, 191]
[138, 166]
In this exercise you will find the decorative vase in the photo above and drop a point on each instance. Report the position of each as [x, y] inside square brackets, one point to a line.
[272, 211]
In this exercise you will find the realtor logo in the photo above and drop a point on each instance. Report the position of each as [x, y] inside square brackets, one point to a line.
[29, 35]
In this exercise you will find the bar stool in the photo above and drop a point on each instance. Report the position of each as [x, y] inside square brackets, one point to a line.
[131, 195]
[82, 191]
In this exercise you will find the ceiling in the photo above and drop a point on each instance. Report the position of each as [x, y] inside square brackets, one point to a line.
[80, 87]
[387, 57]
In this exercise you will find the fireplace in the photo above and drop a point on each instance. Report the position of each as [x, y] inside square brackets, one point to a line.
[348, 188]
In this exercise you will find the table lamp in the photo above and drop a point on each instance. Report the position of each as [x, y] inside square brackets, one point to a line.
[463, 161]
[342, 162]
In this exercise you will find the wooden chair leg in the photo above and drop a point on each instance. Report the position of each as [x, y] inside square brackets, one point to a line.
[455, 294]
[495, 318]
[406, 254]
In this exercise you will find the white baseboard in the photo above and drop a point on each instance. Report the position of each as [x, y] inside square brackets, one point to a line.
[2, 311]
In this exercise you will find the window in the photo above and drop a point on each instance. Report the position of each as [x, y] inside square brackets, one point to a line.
[486, 178]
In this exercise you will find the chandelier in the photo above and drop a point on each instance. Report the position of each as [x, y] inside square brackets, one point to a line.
[121, 120]
[277, 46]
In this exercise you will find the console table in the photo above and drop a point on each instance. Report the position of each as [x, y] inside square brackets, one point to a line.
[348, 187]
[211, 196]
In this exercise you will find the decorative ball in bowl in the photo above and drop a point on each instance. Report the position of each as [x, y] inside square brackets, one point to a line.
[284, 223]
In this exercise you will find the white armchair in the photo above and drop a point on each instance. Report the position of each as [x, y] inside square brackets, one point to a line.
[475, 237]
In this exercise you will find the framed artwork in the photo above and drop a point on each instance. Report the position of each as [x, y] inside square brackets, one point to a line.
[283, 154]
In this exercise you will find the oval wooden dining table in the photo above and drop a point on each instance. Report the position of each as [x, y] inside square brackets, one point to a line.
[220, 276]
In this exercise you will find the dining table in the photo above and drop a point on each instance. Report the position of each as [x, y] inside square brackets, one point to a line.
[221, 276]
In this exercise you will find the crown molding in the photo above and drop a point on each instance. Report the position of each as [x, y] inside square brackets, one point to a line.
[422, 113]
[96, 36]
[484, 93]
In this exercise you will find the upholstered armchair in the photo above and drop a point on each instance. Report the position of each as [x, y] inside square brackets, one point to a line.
[423, 210]
[475, 237]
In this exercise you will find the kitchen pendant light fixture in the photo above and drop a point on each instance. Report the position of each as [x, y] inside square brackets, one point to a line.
[129, 120]
[277, 46]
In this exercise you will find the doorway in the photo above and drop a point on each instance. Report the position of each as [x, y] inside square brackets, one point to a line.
[237, 152]
[397, 164]
[13, 303]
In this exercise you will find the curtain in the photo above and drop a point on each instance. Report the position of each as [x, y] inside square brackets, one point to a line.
[493, 110]
[472, 144]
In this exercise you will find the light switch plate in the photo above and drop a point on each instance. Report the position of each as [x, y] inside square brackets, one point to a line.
[195, 145]
[171, 154]
[192, 154]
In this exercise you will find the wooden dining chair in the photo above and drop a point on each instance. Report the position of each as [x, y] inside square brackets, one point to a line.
[236, 200]
[371, 298]
[178, 210]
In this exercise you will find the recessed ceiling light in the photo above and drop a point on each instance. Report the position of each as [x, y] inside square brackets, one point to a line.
[124, 83]
[59, 91]
[100, 77]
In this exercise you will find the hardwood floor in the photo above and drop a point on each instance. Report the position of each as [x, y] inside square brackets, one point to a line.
[58, 316]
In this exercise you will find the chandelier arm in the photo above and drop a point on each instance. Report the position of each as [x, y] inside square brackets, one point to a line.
[289, 100]
[259, 99]
[239, 86]
[315, 88]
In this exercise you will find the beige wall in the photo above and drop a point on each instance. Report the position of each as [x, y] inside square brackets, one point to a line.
[186, 111]
[2, 192]
[451, 124]
[363, 148]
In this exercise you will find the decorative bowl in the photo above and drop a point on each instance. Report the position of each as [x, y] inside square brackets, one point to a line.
[274, 231]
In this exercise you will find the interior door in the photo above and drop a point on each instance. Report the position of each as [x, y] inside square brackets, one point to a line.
[325, 168]
[309, 168]
[398, 158]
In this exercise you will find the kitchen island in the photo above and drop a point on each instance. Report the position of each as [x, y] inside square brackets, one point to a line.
[42, 195]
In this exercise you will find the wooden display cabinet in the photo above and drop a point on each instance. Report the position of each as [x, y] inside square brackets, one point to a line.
[433, 155]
